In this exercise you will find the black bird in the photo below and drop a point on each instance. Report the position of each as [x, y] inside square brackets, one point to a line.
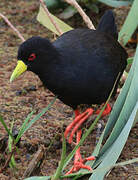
[80, 67]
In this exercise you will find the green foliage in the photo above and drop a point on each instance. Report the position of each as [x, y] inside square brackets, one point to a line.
[130, 24]
[25, 126]
[12, 163]
[61, 164]
[116, 3]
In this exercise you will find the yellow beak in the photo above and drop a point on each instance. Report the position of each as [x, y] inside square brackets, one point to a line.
[20, 68]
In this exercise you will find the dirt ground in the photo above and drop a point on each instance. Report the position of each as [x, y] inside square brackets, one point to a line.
[27, 93]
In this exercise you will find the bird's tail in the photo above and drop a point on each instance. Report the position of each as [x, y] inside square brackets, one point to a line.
[107, 24]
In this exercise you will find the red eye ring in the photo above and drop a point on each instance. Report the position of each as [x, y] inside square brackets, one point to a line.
[32, 57]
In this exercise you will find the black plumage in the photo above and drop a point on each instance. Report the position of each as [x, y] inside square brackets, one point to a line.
[81, 66]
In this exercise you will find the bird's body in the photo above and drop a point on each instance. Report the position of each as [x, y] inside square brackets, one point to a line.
[80, 67]
[87, 68]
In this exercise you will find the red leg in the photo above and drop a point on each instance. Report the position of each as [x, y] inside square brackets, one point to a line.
[78, 121]
[78, 161]
[106, 111]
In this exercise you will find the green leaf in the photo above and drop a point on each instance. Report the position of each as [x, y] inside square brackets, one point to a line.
[61, 164]
[44, 20]
[123, 106]
[21, 132]
[39, 178]
[27, 126]
[12, 162]
[68, 12]
[10, 140]
[112, 154]
[6, 128]
[115, 3]
[130, 24]
[130, 60]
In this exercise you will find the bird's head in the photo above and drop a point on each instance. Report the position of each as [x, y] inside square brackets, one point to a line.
[33, 54]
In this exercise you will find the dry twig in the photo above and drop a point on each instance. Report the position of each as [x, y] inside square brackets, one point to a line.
[8, 160]
[82, 13]
[13, 28]
[34, 163]
[50, 17]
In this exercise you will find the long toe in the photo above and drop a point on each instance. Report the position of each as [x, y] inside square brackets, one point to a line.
[77, 166]
[106, 111]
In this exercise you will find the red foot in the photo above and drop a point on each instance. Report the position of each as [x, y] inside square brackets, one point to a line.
[106, 111]
[78, 121]
[78, 161]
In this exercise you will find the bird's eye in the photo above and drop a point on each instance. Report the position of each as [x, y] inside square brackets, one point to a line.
[32, 57]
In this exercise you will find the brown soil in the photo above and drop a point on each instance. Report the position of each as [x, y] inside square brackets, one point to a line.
[27, 94]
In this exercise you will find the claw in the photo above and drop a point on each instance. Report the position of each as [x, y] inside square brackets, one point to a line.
[78, 161]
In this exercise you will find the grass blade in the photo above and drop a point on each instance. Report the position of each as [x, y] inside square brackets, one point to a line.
[61, 164]
[38, 116]
[21, 132]
[6, 128]
[12, 162]
[38, 178]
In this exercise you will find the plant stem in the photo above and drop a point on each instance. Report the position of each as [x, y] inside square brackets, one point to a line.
[82, 13]
[13, 28]
[50, 17]
[59, 169]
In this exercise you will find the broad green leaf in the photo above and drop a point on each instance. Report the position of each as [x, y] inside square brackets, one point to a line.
[113, 153]
[38, 178]
[44, 19]
[115, 3]
[128, 97]
[130, 24]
